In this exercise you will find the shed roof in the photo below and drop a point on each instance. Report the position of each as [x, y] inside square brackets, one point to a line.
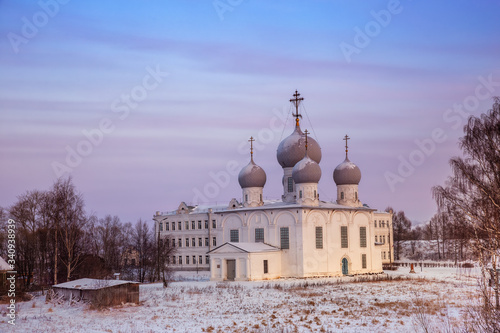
[91, 284]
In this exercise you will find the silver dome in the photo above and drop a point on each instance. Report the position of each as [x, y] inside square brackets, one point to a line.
[252, 175]
[292, 149]
[347, 173]
[306, 170]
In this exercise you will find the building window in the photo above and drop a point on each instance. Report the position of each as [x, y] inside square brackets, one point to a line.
[200, 260]
[214, 224]
[186, 225]
[167, 243]
[199, 225]
[180, 242]
[206, 241]
[290, 184]
[259, 235]
[314, 194]
[383, 224]
[384, 254]
[194, 260]
[356, 195]
[187, 260]
[261, 198]
[375, 223]
[380, 224]
[362, 236]
[161, 226]
[193, 225]
[173, 242]
[319, 237]
[383, 239]
[246, 197]
[363, 261]
[300, 194]
[173, 260]
[214, 241]
[179, 224]
[285, 238]
[180, 260]
[342, 195]
[343, 237]
[193, 242]
[200, 242]
[376, 239]
[206, 224]
[187, 242]
[265, 267]
[167, 226]
[173, 226]
[207, 260]
[234, 235]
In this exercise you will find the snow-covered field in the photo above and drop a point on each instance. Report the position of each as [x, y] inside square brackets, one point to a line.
[436, 295]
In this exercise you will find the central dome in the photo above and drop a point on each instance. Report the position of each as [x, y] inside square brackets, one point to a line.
[293, 148]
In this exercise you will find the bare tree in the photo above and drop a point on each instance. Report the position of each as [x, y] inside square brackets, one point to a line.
[401, 226]
[143, 243]
[474, 192]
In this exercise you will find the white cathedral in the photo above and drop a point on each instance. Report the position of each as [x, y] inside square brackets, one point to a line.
[297, 236]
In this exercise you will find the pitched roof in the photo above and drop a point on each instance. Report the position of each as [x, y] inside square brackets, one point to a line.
[91, 284]
[249, 247]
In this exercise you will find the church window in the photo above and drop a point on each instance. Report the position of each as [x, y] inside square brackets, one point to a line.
[187, 260]
[300, 194]
[180, 242]
[284, 238]
[187, 242]
[161, 226]
[193, 225]
[207, 260]
[246, 197]
[362, 236]
[199, 225]
[214, 224]
[290, 184]
[342, 195]
[206, 241]
[167, 226]
[200, 242]
[363, 261]
[193, 242]
[214, 241]
[259, 235]
[314, 194]
[261, 198]
[319, 237]
[343, 237]
[206, 224]
[356, 195]
[180, 260]
[234, 235]
[265, 267]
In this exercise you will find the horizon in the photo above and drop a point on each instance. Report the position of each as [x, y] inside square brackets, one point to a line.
[147, 105]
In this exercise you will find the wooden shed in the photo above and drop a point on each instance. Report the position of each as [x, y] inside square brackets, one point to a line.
[102, 292]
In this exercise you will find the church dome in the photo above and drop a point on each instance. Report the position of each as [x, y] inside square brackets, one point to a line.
[292, 149]
[306, 171]
[347, 173]
[252, 175]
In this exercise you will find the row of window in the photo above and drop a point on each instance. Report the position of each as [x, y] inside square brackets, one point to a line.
[194, 225]
[188, 260]
[381, 223]
[381, 239]
[234, 236]
[190, 242]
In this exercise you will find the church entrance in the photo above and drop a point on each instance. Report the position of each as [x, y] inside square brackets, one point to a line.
[345, 266]
[231, 269]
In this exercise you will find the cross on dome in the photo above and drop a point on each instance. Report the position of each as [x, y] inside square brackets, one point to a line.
[251, 146]
[296, 101]
[346, 138]
[306, 132]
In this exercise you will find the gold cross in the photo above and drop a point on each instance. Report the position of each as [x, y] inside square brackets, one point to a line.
[346, 138]
[251, 145]
[296, 101]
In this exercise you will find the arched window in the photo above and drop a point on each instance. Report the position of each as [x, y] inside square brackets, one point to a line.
[342, 195]
[300, 194]
[314, 194]
[246, 197]
[356, 195]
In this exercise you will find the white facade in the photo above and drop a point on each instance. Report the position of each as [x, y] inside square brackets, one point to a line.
[298, 236]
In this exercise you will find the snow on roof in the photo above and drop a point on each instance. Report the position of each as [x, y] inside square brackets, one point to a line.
[250, 247]
[4, 266]
[91, 284]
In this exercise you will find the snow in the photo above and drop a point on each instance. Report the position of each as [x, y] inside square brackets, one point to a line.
[4, 266]
[195, 304]
[90, 284]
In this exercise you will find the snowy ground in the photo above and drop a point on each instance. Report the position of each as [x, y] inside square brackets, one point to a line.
[435, 295]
